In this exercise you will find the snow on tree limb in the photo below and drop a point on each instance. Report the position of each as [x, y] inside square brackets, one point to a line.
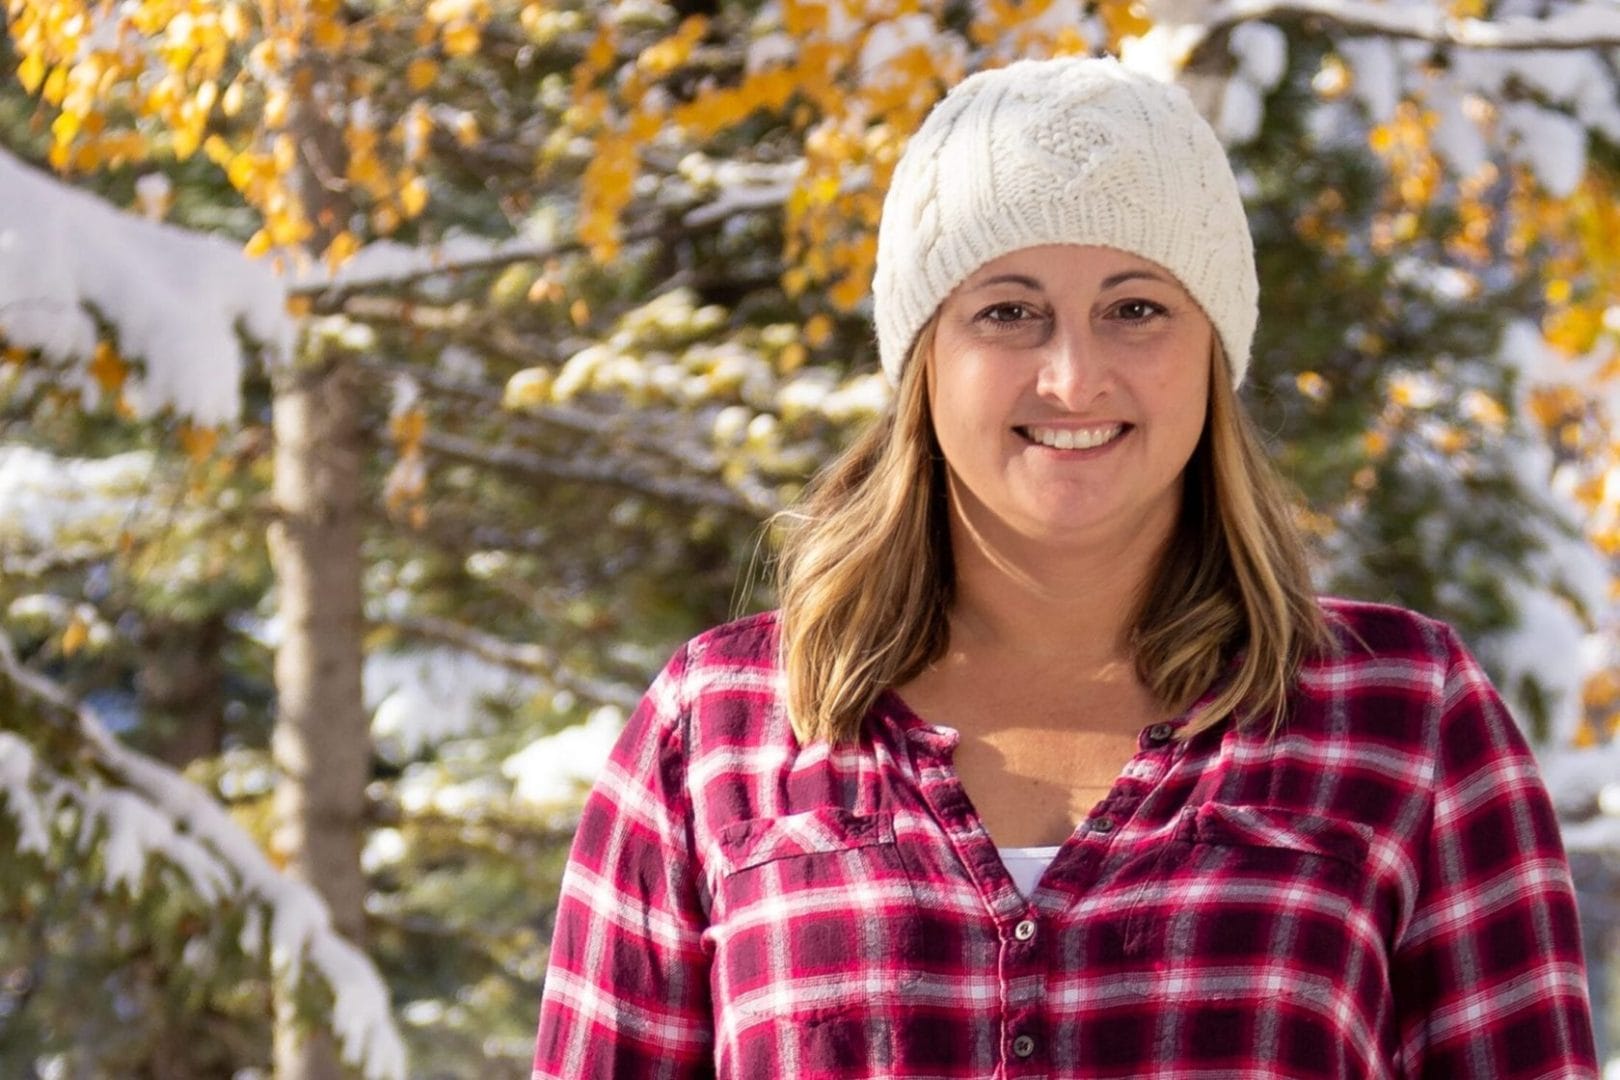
[159, 812]
[172, 297]
[1577, 26]
[525, 657]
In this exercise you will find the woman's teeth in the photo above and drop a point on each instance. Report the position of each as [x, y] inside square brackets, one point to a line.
[1074, 438]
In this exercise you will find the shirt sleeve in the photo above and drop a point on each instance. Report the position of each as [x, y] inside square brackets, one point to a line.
[627, 985]
[1488, 978]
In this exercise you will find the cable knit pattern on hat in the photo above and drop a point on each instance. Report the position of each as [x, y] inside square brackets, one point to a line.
[1066, 151]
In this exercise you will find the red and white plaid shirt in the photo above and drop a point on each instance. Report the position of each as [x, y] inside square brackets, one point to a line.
[1381, 891]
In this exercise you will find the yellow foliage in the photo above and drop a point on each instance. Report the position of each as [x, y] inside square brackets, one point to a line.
[107, 369]
[413, 197]
[31, 71]
[818, 331]
[341, 249]
[528, 389]
[75, 636]
[199, 442]
[461, 39]
[420, 73]
[407, 429]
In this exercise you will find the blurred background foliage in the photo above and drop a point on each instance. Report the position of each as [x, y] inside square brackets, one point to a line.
[601, 272]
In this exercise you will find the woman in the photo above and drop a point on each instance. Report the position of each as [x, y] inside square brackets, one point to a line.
[1050, 763]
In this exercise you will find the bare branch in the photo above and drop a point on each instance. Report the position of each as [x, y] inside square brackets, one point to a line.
[530, 658]
[1584, 26]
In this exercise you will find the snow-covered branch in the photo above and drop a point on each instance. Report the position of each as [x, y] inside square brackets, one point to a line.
[178, 300]
[160, 813]
[603, 472]
[1578, 26]
[609, 430]
[525, 657]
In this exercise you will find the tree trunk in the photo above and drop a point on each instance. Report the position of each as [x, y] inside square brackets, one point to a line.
[322, 741]
[182, 687]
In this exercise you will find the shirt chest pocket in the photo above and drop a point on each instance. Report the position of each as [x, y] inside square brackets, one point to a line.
[815, 913]
[1255, 885]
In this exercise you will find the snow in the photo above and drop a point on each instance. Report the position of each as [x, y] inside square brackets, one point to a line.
[1242, 111]
[1163, 50]
[132, 830]
[891, 39]
[551, 771]
[1377, 79]
[1457, 137]
[16, 777]
[46, 500]
[423, 698]
[173, 298]
[1262, 53]
[150, 811]
[1552, 144]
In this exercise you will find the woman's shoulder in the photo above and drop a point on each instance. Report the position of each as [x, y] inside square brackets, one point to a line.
[1372, 631]
[748, 642]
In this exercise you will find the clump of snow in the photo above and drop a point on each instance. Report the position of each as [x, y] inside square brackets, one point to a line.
[16, 789]
[153, 811]
[551, 771]
[45, 498]
[422, 698]
[1377, 77]
[174, 298]
[1262, 53]
[1552, 144]
[891, 39]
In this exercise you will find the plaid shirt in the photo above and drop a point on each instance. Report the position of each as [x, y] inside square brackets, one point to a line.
[1380, 891]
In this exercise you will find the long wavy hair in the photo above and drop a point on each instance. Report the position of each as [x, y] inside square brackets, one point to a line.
[865, 578]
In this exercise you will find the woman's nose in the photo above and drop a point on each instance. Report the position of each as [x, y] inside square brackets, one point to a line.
[1073, 371]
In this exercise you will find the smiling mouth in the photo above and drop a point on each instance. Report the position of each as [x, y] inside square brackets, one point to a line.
[1087, 438]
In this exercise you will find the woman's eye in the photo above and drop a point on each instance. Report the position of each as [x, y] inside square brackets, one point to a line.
[1137, 310]
[1008, 314]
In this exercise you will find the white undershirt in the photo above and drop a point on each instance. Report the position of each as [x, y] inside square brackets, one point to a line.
[1026, 865]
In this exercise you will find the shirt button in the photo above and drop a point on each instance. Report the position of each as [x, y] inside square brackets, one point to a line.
[1023, 1046]
[1103, 824]
[1159, 733]
[1024, 930]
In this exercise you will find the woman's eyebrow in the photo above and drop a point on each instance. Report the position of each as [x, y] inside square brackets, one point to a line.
[1129, 275]
[1006, 279]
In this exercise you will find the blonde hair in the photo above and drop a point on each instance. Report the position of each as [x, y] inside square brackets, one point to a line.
[865, 579]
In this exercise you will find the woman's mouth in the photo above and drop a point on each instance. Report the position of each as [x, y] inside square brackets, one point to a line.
[1073, 438]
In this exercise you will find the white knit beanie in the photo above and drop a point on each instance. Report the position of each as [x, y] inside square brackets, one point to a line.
[1065, 151]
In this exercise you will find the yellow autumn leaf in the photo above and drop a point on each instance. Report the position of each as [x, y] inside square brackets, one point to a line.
[407, 428]
[818, 330]
[461, 39]
[105, 367]
[341, 249]
[55, 90]
[198, 442]
[420, 73]
[31, 72]
[75, 636]
[413, 196]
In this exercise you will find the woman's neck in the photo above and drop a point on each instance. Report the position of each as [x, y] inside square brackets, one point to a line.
[1018, 598]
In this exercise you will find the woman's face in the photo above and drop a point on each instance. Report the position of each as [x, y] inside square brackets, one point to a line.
[1069, 390]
